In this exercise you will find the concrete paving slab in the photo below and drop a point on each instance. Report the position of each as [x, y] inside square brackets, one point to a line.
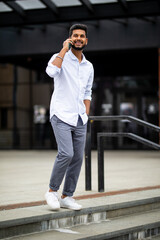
[25, 174]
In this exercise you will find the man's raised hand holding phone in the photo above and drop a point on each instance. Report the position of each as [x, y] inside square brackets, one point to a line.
[59, 59]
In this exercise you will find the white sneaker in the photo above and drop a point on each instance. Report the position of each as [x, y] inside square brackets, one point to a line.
[52, 200]
[69, 202]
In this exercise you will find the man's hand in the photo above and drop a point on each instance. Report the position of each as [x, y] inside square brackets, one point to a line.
[66, 44]
[87, 104]
[59, 59]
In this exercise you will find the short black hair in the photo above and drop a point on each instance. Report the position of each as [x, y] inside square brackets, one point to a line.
[78, 26]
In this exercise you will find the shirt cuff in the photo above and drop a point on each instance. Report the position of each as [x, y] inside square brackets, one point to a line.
[52, 70]
[87, 98]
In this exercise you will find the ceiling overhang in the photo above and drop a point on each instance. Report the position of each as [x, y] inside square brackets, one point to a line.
[84, 12]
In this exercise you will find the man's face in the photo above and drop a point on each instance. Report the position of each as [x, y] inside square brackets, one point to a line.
[79, 39]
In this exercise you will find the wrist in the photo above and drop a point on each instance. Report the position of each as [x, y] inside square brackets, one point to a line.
[59, 57]
[64, 50]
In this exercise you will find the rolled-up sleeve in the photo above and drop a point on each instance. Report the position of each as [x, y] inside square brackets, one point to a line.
[88, 91]
[51, 69]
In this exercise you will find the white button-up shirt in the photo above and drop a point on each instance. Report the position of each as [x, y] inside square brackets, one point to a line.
[72, 85]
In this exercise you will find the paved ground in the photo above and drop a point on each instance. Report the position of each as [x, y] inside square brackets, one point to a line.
[24, 175]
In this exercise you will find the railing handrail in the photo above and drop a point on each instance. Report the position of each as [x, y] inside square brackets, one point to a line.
[130, 135]
[100, 135]
[125, 117]
[112, 118]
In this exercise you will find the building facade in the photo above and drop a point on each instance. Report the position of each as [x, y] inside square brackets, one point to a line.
[124, 43]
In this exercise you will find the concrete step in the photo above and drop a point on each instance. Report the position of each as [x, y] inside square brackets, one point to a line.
[138, 226]
[23, 221]
[157, 237]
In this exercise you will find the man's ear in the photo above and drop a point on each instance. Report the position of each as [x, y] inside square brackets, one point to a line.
[86, 41]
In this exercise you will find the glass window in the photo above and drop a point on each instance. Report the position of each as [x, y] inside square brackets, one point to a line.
[66, 3]
[102, 1]
[3, 118]
[30, 4]
[4, 8]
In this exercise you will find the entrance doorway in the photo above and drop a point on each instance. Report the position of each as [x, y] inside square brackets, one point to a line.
[126, 95]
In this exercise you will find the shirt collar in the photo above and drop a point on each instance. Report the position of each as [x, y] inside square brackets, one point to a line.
[75, 58]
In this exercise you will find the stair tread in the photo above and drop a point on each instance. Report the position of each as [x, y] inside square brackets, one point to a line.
[19, 214]
[101, 229]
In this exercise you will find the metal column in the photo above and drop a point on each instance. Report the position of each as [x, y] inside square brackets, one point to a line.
[159, 87]
[88, 185]
[15, 129]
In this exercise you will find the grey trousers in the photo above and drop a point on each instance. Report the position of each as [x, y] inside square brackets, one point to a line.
[71, 142]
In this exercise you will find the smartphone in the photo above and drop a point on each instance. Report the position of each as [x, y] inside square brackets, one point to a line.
[70, 45]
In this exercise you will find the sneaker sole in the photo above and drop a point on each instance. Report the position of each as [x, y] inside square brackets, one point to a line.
[76, 209]
[53, 208]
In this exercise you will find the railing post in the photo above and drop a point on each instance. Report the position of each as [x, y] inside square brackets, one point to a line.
[100, 163]
[159, 88]
[88, 185]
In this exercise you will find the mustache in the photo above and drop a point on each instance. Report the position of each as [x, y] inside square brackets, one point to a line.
[78, 41]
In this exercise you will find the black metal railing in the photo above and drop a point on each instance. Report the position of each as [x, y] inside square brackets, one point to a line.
[100, 145]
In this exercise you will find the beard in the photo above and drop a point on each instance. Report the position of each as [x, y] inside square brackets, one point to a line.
[78, 48]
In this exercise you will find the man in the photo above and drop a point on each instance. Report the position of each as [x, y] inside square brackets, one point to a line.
[69, 110]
